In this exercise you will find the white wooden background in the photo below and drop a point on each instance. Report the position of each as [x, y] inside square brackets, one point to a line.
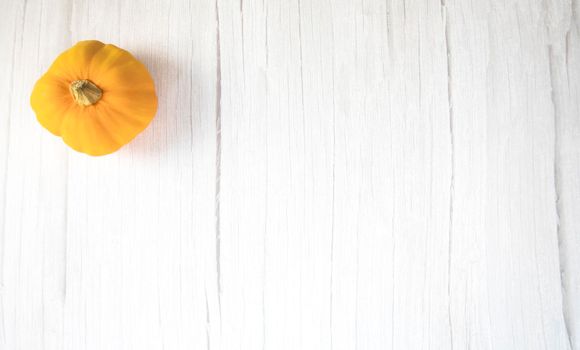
[321, 174]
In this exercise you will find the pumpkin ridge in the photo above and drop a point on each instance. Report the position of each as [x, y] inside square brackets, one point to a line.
[96, 69]
[93, 130]
[128, 118]
[111, 134]
[50, 115]
[67, 66]
[89, 64]
[118, 79]
[68, 117]
[65, 117]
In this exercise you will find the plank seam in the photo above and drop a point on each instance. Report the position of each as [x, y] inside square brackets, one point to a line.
[218, 124]
[452, 161]
[5, 199]
[559, 237]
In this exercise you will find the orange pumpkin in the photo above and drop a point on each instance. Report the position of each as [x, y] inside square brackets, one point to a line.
[96, 97]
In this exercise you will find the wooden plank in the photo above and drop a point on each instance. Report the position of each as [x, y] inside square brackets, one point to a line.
[141, 225]
[393, 177]
[421, 175]
[34, 187]
[565, 69]
[505, 281]
[244, 178]
[335, 162]
[10, 29]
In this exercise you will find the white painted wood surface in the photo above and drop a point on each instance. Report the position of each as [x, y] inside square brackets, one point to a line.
[353, 174]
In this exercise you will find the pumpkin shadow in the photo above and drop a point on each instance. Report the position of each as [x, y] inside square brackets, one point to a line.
[177, 126]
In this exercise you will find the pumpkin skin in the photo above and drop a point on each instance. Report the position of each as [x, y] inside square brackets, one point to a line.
[96, 97]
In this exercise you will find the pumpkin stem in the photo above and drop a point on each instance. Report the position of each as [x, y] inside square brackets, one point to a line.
[85, 92]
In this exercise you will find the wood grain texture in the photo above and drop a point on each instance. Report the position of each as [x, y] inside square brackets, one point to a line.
[34, 171]
[565, 69]
[504, 217]
[320, 175]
